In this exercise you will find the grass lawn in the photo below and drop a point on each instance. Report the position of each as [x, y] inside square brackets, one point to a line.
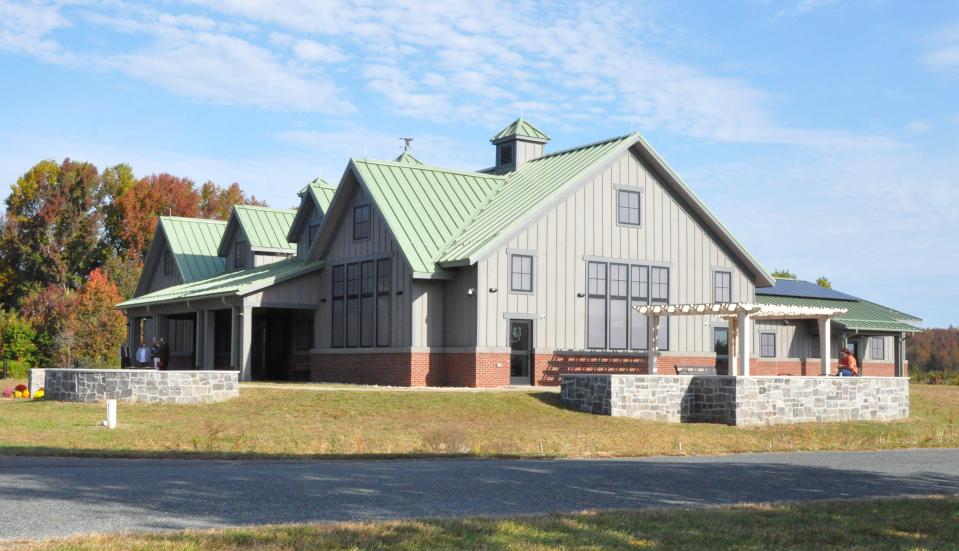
[929, 523]
[303, 423]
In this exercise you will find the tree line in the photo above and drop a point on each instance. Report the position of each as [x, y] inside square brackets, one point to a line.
[935, 351]
[72, 244]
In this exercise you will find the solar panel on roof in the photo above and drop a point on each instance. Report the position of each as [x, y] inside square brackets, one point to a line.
[803, 289]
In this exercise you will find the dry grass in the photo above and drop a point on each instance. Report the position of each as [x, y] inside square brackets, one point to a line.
[290, 423]
[916, 524]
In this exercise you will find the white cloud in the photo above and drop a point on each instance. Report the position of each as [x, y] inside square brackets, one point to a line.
[314, 52]
[942, 50]
[918, 127]
[802, 7]
[25, 28]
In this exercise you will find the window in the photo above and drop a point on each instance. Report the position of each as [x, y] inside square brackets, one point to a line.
[612, 290]
[240, 249]
[628, 206]
[361, 304]
[521, 273]
[167, 263]
[722, 287]
[304, 334]
[721, 341]
[506, 154]
[596, 305]
[767, 345]
[877, 348]
[361, 222]
[383, 302]
[314, 229]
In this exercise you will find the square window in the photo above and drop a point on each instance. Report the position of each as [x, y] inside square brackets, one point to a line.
[628, 207]
[521, 273]
[767, 345]
[361, 222]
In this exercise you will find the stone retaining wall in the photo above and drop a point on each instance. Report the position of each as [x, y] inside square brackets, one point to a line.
[136, 385]
[739, 400]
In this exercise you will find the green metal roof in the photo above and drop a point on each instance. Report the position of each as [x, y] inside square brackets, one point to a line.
[520, 128]
[860, 314]
[265, 228]
[322, 193]
[533, 185]
[424, 206]
[194, 242]
[238, 283]
[407, 157]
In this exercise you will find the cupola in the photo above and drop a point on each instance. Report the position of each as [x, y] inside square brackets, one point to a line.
[517, 144]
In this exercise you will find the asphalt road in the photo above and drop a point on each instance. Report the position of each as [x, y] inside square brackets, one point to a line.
[47, 497]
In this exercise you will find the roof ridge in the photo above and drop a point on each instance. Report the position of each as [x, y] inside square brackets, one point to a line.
[191, 219]
[579, 147]
[429, 168]
[260, 207]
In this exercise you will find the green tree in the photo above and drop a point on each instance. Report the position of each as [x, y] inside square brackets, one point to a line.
[784, 274]
[51, 235]
[824, 282]
[216, 203]
[16, 338]
[116, 181]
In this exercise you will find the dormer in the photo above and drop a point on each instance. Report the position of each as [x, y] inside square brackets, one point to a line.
[315, 201]
[255, 236]
[517, 144]
[183, 250]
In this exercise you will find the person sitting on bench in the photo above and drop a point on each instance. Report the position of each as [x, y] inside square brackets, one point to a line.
[847, 364]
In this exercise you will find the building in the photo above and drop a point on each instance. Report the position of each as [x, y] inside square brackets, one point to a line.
[409, 274]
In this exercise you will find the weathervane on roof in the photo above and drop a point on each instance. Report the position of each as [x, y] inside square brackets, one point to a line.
[407, 144]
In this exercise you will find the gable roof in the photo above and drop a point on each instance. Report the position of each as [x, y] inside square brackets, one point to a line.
[321, 195]
[446, 218]
[194, 242]
[239, 283]
[520, 128]
[861, 315]
[407, 157]
[265, 228]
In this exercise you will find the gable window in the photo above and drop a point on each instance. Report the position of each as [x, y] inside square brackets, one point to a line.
[240, 250]
[506, 154]
[314, 229]
[521, 273]
[361, 222]
[628, 207]
[167, 263]
[304, 334]
[612, 291]
[767, 345]
[877, 348]
[361, 304]
[722, 287]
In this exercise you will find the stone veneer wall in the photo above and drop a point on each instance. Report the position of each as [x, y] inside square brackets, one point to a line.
[739, 400]
[137, 385]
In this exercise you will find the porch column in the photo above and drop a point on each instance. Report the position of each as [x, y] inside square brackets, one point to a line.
[733, 346]
[131, 335]
[898, 360]
[199, 329]
[244, 334]
[652, 349]
[825, 346]
[209, 338]
[745, 342]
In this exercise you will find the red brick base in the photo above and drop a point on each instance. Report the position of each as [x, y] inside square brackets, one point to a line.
[481, 370]
[812, 367]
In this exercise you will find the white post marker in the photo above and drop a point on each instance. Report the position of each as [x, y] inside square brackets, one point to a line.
[111, 414]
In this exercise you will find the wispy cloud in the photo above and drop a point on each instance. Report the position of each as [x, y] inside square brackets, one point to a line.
[802, 7]
[942, 50]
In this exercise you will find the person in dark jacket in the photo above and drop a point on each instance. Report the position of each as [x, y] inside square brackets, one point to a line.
[124, 355]
[164, 354]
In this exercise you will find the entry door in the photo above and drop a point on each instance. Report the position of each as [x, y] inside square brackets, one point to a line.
[521, 352]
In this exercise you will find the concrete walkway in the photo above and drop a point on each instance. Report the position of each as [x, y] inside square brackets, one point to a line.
[46, 497]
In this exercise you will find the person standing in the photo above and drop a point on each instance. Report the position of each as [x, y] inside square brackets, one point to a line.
[143, 355]
[164, 354]
[124, 355]
[155, 353]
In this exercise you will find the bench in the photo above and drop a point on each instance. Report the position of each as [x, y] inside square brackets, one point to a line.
[695, 370]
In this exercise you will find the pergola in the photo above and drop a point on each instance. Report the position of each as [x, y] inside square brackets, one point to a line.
[740, 316]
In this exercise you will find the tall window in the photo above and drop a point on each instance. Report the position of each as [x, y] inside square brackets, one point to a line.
[361, 222]
[314, 229]
[628, 207]
[722, 287]
[767, 345]
[167, 263]
[361, 304]
[383, 302]
[521, 273]
[596, 305]
[240, 249]
[304, 334]
[877, 348]
[612, 290]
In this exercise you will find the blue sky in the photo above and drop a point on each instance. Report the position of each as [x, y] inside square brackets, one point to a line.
[825, 134]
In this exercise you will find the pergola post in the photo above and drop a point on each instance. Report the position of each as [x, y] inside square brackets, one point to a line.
[733, 346]
[652, 349]
[825, 345]
[745, 342]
